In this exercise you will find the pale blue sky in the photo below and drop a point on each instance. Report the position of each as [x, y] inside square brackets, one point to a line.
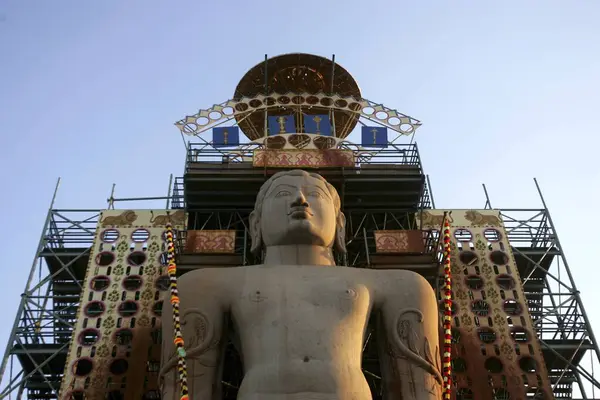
[89, 91]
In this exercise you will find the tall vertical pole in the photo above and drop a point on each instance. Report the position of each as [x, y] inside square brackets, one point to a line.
[25, 294]
[576, 293]
[420, 206]
[183, 138]
[488, 204]
[366, 247]
[245, 255]
[266, 94]
[331, 112]
[169, 190]
[188, 156]
[430, 192]
[111, 199]
[412, 136]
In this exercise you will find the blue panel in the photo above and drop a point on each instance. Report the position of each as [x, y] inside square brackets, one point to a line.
[227, 136]
[374, 136]
[318, 124]
[279, 124]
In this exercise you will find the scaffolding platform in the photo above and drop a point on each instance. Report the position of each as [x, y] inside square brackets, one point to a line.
[75, 258]
[43, 328]
[382, 181]
[48, 358]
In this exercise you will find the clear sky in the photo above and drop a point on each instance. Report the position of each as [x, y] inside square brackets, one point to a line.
[507, 91]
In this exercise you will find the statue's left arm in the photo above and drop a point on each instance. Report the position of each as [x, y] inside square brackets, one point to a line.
[202, 322]
[408, 328]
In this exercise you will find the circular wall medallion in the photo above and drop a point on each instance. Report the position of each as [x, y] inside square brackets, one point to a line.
[140, 235]
[109, 235]
[100, 283]
[128, 308]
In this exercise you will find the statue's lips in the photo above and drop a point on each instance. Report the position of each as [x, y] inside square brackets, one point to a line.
[300, 213]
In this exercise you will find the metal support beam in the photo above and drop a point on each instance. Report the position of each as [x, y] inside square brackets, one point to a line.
[44, 315]
[560, 315]
[570, 275]
[41, 243]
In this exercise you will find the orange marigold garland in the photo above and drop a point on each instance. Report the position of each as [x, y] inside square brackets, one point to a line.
[172, 270]
[446, 361]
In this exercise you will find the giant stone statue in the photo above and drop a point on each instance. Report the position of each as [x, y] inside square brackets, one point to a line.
[300, 321]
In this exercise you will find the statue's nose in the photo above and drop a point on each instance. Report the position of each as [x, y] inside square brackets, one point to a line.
[300, 200]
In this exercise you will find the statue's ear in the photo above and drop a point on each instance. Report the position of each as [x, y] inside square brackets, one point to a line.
[255, 234]
[340, 233]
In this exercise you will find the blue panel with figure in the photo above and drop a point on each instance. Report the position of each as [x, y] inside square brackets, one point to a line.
[317, 124]
[226, 136]
[374, 136]
[279, 124]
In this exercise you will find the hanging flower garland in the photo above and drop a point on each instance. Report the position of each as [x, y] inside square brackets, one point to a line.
[446, 362]
[178, 341]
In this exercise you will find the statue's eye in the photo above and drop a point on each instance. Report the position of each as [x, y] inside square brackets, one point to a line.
[315, 194]
[282, 193]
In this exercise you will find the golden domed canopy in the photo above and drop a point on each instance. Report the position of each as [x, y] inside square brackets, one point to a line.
[301, 94]
[291, 84]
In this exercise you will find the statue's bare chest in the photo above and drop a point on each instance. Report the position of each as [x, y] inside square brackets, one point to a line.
[275, 295]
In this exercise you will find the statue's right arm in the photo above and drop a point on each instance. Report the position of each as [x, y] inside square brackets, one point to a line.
[201, 316]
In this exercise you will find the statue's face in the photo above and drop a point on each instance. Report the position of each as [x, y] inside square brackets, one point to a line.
[298, 210]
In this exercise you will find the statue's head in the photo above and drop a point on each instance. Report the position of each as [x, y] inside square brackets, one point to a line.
[297, 207]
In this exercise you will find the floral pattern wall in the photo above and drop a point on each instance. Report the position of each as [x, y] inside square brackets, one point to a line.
[496, 353]
[115, 348]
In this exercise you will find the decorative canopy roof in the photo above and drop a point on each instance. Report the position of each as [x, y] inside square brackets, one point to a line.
[290, 90]
[297, 73]
[303, 75]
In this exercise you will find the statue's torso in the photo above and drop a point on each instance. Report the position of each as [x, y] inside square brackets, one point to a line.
[301, 329]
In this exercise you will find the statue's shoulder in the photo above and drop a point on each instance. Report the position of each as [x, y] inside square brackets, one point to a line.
[215, 278]
[394, 278]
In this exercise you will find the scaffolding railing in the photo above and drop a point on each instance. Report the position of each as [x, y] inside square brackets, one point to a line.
[48, 308]
[534, 243]
[178, 201]
[394, 154]
[33, 361]
[383, 163]
[528, 228]
[559, 317]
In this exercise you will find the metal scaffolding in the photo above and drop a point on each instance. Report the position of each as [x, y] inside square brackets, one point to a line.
[33, 362]
[569, 346]
[35, 356]
[218, 193]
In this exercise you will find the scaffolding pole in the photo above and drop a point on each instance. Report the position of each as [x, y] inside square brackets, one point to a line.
[25, 294]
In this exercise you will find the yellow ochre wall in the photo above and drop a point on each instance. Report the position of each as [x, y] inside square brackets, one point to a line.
[116, 341]
[495, 348]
